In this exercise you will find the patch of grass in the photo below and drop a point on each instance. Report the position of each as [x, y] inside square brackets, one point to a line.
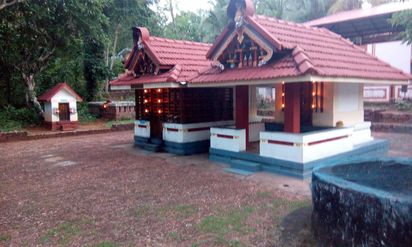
[176, 236]
[222, 224]
[181, 210]
[4, 238]
[63, 232]
[263, 194]
[141, 210]
[119, 122]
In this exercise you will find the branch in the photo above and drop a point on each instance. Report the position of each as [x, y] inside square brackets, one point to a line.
[7, 3]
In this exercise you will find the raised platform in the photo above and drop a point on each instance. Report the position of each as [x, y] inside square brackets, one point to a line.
[375, 148]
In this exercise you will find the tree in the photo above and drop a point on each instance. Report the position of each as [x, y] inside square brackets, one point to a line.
[215, 20]
[33, 31]
[123, 15]
[272, 8]
[187, 26]
[7, 3]
[404, 19]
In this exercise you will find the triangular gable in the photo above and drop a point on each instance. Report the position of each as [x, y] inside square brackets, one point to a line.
[243, 43]
[49, 94]
[142, 61]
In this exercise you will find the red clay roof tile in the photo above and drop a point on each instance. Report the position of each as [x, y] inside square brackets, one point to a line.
[48, 95]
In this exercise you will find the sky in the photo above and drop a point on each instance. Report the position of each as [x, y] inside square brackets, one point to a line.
[190, 5]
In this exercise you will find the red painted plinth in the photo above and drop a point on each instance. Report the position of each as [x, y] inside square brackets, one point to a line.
[292, 108]
[242, 109]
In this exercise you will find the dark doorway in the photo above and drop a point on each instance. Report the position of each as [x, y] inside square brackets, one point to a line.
[306, 104]
[156, 127]
[64, 112]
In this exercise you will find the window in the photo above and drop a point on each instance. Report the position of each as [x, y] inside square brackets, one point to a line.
[265, 101]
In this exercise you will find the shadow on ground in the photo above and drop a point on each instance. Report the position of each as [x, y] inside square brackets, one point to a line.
[296, 229]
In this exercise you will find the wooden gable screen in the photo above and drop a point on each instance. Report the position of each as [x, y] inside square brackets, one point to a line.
[243, 52]
[185, 105]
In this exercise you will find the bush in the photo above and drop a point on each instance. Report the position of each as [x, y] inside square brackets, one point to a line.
[403, 105]
[84, 115]
[14, 119]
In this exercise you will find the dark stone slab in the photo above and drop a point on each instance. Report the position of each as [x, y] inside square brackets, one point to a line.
[368, 203]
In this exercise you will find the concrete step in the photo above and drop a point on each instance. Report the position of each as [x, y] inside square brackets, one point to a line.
[156, 141]
[151, 147]
[238, 172]
[245, 165]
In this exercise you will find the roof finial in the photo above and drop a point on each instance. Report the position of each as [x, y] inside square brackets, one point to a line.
[237, 9]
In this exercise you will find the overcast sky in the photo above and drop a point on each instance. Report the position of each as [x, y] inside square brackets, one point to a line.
[190, 5]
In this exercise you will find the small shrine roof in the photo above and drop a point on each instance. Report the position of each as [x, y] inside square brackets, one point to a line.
[49, 94]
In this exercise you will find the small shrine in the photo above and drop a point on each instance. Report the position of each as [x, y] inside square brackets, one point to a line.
[60, 107]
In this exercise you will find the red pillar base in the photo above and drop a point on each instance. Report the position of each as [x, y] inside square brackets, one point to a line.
[292, 108]
[242, 109]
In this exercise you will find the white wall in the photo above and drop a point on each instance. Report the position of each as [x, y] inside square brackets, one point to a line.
[348, 103]
[63, 97]
[395, 53]
[47, 112]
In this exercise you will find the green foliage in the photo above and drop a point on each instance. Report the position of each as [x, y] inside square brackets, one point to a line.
[404, 19]
[15, 119]
[119, 122]
[224, 223]
[84, 115]
[95, 69]
[403, 105]
[63, 232]
[187, 26]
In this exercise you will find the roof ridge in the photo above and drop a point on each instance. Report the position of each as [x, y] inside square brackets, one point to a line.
[290, 23]
[178, 41]
[303, 61]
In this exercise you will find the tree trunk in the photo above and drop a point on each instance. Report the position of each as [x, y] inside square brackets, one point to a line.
[112, 58]
[31, 98]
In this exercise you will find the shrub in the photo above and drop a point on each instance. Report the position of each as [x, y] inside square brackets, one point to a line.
[12, 118]
[403, 105]
[84, 115]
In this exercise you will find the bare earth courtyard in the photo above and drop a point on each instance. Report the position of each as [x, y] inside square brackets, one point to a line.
[100, 191]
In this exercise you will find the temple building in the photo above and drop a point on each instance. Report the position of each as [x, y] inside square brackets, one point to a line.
[193, 97]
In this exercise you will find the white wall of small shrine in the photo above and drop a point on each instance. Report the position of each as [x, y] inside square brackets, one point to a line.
[50, 114]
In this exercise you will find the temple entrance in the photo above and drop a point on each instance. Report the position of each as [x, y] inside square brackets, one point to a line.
[156, 127]
[64, 112]
[306, 110]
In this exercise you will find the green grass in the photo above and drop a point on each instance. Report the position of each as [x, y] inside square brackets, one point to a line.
[63, 232]
[176, 236]
[141, 210]
[263, 194]
[119, 122]
[226, 222]
[4, 238]
[180, 211]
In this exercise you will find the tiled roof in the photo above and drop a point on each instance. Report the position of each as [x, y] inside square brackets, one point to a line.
[48, 95]
[315, 51]
[186, 58]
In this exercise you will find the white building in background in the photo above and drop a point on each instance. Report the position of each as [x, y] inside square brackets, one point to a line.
[371, 29]
[60, 107]
[397, 54]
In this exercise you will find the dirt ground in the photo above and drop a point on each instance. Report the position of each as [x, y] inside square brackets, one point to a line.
[99, 190]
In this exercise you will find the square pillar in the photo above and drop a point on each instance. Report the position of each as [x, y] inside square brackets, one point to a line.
[292, 108]
[242, 109]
